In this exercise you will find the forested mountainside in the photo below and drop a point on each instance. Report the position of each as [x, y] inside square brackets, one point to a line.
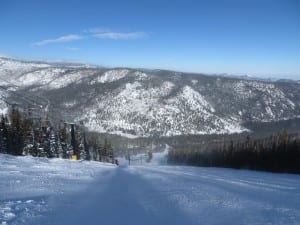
[142, 103]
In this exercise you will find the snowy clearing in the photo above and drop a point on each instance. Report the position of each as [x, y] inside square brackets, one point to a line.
[43, 191]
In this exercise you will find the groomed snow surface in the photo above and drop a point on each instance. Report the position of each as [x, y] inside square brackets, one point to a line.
[36, 191]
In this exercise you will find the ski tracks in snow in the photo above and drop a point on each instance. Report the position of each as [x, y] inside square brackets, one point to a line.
[228, 196]
[120, 198]
[160, 195]
[61, 192]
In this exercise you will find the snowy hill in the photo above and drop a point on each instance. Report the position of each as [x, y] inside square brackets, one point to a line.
[138, 102]
[62, 192]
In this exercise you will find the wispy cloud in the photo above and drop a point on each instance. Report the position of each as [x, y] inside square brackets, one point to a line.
[120, 36]
[73, 49]
[66, 38]
[100, 33]
[105, 33]
[97, 30]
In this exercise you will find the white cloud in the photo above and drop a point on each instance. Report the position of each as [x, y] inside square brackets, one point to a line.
[97, 30]
[100, 33]
[67, 38]
[72, 48]
[120, 36]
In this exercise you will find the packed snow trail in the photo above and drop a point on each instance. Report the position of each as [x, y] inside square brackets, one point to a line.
[226, 196]
[126, 199]
[63, 192]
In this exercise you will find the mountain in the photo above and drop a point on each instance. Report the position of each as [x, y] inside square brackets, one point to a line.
[141, 102]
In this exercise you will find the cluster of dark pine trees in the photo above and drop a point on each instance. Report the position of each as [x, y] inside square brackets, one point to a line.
[277, 153]
[21, 134]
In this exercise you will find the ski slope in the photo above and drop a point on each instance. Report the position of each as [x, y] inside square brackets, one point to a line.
[62, 192]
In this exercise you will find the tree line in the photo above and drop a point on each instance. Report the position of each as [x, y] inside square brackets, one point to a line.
[22, 134]
[276, 153]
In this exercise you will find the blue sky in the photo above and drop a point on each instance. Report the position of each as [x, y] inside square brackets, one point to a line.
[255, 37]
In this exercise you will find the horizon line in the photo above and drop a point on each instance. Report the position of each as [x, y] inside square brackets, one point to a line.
[222, 74]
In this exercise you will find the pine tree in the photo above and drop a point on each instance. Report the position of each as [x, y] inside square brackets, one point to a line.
[43, 144]
[62, 137]
[53, 145]
[16, 132]
[105, 151]
[81, 143]
[28, 137]
[1, 141]
[99, 153]
[74, 141]
[60, 151]
[69, 151]
[4, 136]
[149, 156]
[86, 148]
[82, 150]
[93, 148]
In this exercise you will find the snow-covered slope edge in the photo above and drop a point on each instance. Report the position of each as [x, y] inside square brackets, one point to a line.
[28, 184]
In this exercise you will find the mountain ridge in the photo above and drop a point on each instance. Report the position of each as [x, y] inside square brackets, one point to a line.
[142, 102]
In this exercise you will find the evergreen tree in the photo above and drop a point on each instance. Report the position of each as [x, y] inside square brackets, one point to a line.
[15, 134]
[149, 156]
[69, 151]
[82, 150]
[106, 151]
[86, 148]
[60, 151]
[4, 136]
[99, 152]
[81, 143]
[62, 136]
[74, 141]
[28, 137]
[53, 145]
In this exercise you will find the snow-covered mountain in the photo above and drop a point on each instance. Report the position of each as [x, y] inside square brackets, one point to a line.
[139, 102]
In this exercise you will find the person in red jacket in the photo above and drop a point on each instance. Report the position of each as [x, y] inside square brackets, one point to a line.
[116, 162]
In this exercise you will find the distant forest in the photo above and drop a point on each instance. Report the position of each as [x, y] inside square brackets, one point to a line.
[23, 134]
[276, 153]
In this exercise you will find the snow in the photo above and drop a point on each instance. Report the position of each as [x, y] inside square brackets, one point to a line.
[140, 75]
[61, 192]
[138, 110]
[194, 82]
[110, 76]
[53, 78]
[272, 98]
[158, 158]
[40, 77]
[131, 99]
[146, 104]
[11, 67]
[28, 185]
[3, 111]
[131, 136]
[64, 80]
[195, 100]
[3, 104]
